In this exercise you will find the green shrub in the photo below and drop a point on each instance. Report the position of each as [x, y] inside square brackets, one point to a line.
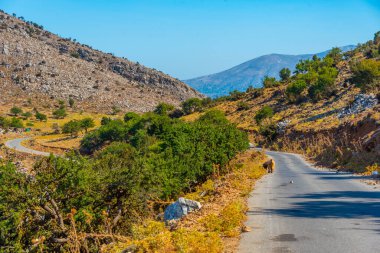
[87, 123]
[72, 127]
[135, 164]
[16, 123]
[163, 109]
[242, 106]
[270, 82]
[192, 105]
[263, 113]
[325, 85]
[235, 95]
[295, 89]
[27, 115]
[60, 113]
[269, 131]
[131, 116]
[285, 74]
[16, 111]
[4, 122]
[335, 54]
[366, 74]
[40, 116]
[105, 120]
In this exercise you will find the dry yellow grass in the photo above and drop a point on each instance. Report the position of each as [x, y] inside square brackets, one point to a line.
[61, 141]
[216, 227]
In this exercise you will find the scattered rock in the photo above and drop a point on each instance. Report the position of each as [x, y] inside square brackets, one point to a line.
[245, 229]
[181, 208]
[282, 125]
[130, 249]
[361, 103]
[4, 49]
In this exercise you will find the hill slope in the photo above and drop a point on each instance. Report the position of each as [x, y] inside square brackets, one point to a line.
[35, 63]
[329, 110]
[248, 73]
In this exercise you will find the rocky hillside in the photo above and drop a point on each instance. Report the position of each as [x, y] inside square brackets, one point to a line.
[249, 73]
[37, 64]
[329, 110]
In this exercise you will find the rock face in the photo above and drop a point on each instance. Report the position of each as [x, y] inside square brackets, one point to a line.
[371, 142]
[180, 208]
[37, 63]
[360, 104]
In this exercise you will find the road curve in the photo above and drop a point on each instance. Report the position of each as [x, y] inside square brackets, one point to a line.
[16, 145]
[321, 211]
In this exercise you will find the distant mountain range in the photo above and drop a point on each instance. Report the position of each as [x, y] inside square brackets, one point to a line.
[249, 73]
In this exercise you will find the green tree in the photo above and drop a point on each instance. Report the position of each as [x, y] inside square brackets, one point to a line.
[242, 106]
[105, 120]
[16, 123]
[16, 111]
[27, 115]
[60, 113]
[366, 74]
[335, 54]
[4, 122]
[61, 104]
[40, 116]
[295, 89]
[131, 116]
[285, 74]
[376, 38]
[71, 102]
[192, 105]
[325, 85]
[270, 82]
[264, 113]
[235, 95]
[87, 123]
[72, 127]
[163, 109]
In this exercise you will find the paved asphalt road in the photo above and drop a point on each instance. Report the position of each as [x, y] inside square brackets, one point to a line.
[16, 145]
[321, 212]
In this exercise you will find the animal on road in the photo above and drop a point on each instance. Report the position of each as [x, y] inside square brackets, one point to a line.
[269, 165]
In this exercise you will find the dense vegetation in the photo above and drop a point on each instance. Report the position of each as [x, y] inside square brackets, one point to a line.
[78, 202]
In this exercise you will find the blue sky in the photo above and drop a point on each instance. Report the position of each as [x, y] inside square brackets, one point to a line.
[190, 38]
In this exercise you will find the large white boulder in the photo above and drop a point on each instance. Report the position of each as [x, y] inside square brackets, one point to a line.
[180, 208]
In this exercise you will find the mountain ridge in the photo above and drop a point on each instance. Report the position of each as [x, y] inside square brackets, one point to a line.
[250, 72]
[38, 64]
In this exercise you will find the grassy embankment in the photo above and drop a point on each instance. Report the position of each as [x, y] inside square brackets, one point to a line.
[216, 227]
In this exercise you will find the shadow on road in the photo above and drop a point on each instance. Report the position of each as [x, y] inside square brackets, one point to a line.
[336, 204]
[375, 196]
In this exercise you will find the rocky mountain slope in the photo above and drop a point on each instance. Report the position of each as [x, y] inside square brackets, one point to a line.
[329, 110]
[249, 73]
[37, 64]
